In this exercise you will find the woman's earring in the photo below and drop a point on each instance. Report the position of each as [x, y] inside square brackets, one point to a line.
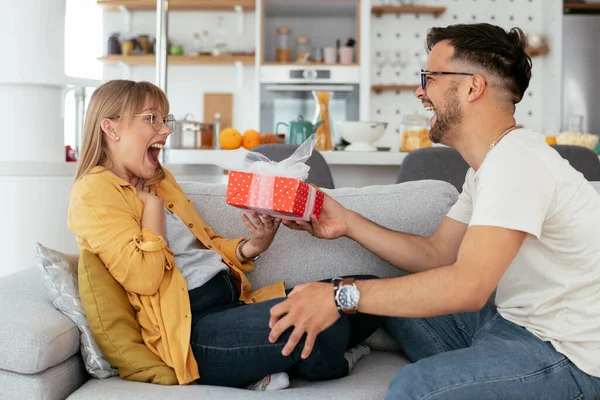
[117, 138]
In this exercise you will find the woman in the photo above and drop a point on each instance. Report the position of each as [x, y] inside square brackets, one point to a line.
[187, 284]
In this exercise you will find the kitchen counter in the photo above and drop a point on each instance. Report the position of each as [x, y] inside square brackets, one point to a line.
[216, 157]
[349, 169]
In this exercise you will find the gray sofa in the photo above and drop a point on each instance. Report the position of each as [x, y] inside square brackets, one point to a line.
[39, 351]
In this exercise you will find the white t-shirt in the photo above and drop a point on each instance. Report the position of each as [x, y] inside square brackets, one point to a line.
[552, 287]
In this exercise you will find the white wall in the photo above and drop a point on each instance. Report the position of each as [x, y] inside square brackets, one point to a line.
[34, 178]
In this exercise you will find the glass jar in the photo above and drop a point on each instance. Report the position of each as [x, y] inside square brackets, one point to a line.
[283, 52]
[303, 48]
[414, 132]
[114, 45]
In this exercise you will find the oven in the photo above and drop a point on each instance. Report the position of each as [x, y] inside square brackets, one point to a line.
[287, 92]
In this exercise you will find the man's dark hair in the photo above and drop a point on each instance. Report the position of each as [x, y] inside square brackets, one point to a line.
[491, 48]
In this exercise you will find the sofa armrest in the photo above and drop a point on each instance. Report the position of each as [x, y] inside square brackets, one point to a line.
[35, 335]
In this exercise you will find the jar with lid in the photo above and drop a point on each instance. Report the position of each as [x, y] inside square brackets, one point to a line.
[283, 52]
[114, 45]
[303, 48]
[414, 132]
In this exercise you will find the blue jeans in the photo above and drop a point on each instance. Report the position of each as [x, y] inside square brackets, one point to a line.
[481, 355]
[230, 339]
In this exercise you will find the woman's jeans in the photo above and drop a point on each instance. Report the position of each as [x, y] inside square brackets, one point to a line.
[481, 355]
[231, 346]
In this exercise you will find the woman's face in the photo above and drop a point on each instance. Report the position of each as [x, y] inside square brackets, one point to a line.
[136, 151]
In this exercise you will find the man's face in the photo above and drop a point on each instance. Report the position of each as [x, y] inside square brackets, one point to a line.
[441, 94]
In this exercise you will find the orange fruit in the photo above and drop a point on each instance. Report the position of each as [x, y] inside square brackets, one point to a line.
[251, 139]
[230, 139]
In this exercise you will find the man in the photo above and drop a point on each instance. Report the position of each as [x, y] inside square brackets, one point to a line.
[525, 223]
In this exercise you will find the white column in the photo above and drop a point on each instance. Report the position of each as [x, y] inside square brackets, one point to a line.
[34, 177]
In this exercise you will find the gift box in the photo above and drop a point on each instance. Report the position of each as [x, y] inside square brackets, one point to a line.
[280, 197]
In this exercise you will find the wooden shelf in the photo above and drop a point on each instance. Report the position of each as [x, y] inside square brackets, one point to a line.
[150, 59]
[537, 51]
[378, 89]
[308, 64]
[581, 8]
[178, 5]
[378, 11]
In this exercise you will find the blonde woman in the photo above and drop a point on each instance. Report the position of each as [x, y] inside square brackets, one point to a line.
[187, 284]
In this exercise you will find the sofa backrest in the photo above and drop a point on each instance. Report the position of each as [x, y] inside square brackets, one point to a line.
[296, 257]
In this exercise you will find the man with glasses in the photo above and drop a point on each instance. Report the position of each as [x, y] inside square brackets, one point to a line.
[526, 224]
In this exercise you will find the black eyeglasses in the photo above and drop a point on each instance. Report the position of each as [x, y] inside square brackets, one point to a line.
[425, 73]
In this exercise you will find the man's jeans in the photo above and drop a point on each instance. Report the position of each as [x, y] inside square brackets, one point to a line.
[482, 356]
[230, 339]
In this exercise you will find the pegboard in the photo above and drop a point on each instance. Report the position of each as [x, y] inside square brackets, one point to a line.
[406, 33]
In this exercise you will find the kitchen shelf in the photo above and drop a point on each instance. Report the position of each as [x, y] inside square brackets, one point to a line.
[309, 64]
[378, 89]
[378, 11]
[581, 8]
[537, 51]
[178, 5]
[150, 59]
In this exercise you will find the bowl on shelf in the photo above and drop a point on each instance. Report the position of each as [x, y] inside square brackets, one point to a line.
[361, 134]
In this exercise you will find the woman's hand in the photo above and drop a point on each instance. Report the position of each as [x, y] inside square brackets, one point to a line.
[262, 233]
[145, 193]
[332, 222]
[153, 216]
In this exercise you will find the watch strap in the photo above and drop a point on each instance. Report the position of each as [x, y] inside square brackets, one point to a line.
[336, 288]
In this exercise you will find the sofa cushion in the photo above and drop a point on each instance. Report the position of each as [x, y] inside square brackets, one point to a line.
[113, 324]
[369, 380]
[60, 271]
[35, 336]
[55, 383]
[296, 257]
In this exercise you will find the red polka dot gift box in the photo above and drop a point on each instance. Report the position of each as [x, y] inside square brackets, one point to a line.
[281, 197]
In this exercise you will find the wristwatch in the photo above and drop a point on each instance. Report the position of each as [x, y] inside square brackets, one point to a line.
[240, 249]
[346, 295]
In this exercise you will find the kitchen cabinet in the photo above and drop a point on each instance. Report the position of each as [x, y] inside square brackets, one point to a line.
[178, 5]
[322, 22]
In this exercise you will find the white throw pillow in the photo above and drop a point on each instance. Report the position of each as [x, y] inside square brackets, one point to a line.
[63, 287]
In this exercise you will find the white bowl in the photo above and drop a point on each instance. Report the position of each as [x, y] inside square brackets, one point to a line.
[361, 134]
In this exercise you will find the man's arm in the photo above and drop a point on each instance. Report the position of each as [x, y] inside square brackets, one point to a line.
[485, 254]
[410, 253]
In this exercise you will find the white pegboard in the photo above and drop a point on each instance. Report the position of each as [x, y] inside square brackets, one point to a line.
[406, 33]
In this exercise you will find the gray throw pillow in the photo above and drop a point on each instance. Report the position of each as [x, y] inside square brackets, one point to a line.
[62, 284]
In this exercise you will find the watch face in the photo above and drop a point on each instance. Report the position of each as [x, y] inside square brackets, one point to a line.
[349, 296]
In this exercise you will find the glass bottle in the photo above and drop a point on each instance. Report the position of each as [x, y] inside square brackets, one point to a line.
[323, 132]
[283, 52]
[303, 48]
[220, 38]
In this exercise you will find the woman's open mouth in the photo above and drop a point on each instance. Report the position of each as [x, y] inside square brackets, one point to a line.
[154, 152]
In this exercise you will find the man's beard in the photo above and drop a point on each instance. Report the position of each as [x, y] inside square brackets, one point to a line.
[450, 119]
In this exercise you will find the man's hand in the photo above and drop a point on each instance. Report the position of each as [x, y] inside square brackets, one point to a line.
[332, 223]
[311, 309]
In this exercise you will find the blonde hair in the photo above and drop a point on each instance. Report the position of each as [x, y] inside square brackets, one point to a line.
[117, 100]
